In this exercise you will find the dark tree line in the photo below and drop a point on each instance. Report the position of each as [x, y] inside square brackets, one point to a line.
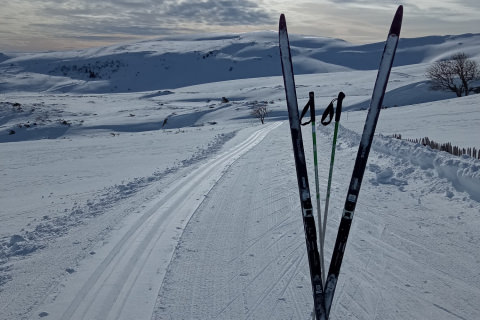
[447, 147]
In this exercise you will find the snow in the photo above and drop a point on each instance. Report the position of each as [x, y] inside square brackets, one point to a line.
[165, 202]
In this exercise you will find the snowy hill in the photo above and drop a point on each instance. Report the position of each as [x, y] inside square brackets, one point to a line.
[176, 62]
[167, 201]
[3, 57]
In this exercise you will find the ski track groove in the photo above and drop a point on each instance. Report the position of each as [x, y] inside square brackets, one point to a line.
[287, 285]
[267, 292]
[256, 240]
[449, 312]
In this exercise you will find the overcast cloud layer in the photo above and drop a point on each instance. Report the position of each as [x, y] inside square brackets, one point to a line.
[27, 25]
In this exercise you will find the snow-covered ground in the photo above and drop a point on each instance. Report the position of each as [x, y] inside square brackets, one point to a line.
[137, 193]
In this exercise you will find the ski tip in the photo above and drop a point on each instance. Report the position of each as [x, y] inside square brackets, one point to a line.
[397, 22]
[283, 23]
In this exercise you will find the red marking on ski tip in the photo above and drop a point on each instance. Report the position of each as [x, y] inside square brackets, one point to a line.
[283, 22]
[397, 22]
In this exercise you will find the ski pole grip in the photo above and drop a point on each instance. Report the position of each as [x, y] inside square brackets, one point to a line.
[338, 111]
[311, 99]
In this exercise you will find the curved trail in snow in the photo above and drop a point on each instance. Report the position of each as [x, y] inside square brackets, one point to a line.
[123, 279]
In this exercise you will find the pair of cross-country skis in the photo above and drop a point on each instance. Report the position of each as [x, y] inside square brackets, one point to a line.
[324, 288]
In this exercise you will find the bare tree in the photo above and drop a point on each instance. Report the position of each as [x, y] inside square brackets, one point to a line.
[260, 111]
[455, 74]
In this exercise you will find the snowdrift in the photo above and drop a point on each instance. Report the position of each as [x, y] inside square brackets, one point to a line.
[462, 172]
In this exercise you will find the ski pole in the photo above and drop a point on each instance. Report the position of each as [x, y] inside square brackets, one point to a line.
[338, 112]
[311, 106]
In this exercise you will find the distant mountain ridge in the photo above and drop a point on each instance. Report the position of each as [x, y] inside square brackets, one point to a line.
[188, 60]
[3, 57]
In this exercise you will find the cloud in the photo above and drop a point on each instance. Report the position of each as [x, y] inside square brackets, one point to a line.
[53, 24]
[366, 4]
[220, 12]
[149, 17]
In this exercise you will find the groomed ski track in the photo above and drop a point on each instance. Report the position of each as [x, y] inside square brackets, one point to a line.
[125, 282]
[226, 242]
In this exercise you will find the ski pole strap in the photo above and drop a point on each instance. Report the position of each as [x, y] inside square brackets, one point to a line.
[310, 105]
[304, 111]
[328, 113]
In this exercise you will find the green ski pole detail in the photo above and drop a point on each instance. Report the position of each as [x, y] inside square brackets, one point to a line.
[338, 112]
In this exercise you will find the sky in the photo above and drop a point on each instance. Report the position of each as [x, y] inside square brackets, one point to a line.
[44, 25]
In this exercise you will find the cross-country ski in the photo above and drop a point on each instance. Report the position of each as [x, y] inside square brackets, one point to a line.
[362, 156]
[301, 169]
